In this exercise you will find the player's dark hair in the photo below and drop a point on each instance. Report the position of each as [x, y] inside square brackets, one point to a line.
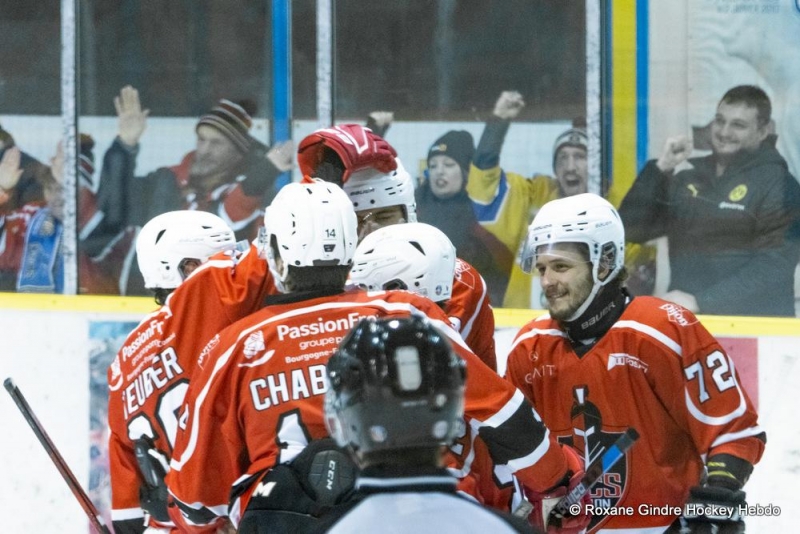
[316, 278]
[331, 168]
[160, 294]
[422, 456]
[752, 96]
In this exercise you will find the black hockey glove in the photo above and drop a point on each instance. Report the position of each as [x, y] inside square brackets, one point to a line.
[154, 467]
[302, 495]
[712, 509]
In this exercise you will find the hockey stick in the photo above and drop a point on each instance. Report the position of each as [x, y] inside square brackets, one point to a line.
[599, 468]
[63, 468]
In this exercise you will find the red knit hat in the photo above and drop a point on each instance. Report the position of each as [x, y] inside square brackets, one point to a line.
[232, 120]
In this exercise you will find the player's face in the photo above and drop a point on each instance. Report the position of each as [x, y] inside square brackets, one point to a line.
[445, 176]
[566, 278]
[572, 170]
[371, 220]
[215, 153]
[735, 129]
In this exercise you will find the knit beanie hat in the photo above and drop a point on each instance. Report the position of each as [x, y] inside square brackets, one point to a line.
[232, 120]
[576, 137]
[457, 144]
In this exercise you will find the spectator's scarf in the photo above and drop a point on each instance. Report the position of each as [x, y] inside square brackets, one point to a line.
[42, 266]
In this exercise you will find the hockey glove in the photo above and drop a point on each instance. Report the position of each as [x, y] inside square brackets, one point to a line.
[153, 465]
[543, 503]
[357, 148]
[711, 509]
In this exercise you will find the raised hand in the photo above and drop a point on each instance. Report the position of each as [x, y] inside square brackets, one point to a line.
[676, 150]
[132, 120]
[10, 170]
[57, 163]
[282, 155]
[382, 118]
[509, 105]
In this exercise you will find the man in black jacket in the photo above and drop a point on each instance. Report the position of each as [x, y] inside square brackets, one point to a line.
[229, 174]
[732, 218]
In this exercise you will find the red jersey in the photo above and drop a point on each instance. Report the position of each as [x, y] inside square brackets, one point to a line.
[471, 314]
[259, 400]
[657, 370]
[149, 376]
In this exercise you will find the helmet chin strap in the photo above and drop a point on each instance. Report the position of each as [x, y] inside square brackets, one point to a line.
[586, 303]
[593, 293]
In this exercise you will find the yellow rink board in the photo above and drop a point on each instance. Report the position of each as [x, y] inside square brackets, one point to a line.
[504, 318]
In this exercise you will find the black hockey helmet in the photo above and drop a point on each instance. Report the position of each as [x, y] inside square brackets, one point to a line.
[395, 384]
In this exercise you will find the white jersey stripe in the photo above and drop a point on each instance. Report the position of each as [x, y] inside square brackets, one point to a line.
[659, 336]
[733, 436]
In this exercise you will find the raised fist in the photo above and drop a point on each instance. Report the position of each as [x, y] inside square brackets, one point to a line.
[676, 151]
[355, 146]
[509, 105]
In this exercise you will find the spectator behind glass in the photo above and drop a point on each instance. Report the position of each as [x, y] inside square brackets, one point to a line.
[505, 201]
[229, 173]
[442, 202]
[22, 178]
[31, 254]
[732, 218]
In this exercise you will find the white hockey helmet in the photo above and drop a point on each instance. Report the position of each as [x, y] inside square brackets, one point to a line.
[314, 225]
[414, 256]
[168, 240]
[371, 189]
[586, 218]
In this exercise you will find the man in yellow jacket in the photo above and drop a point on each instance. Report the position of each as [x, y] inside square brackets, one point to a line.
[505, 202]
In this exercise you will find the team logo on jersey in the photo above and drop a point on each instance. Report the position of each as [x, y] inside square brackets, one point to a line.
[740, 191]
[620, 358]
[590, 440]
[254, 344]
[675, 314]
[463, 275]
[116, 374]
[115, 367]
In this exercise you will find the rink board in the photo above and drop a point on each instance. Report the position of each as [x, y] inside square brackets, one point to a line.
[56, 349]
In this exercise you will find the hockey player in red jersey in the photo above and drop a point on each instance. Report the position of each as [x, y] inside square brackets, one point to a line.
[257, 402]
[149, 376]
[402, 375]
[420, 258]
[383, 199]
[382, 192]
[602, 361]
